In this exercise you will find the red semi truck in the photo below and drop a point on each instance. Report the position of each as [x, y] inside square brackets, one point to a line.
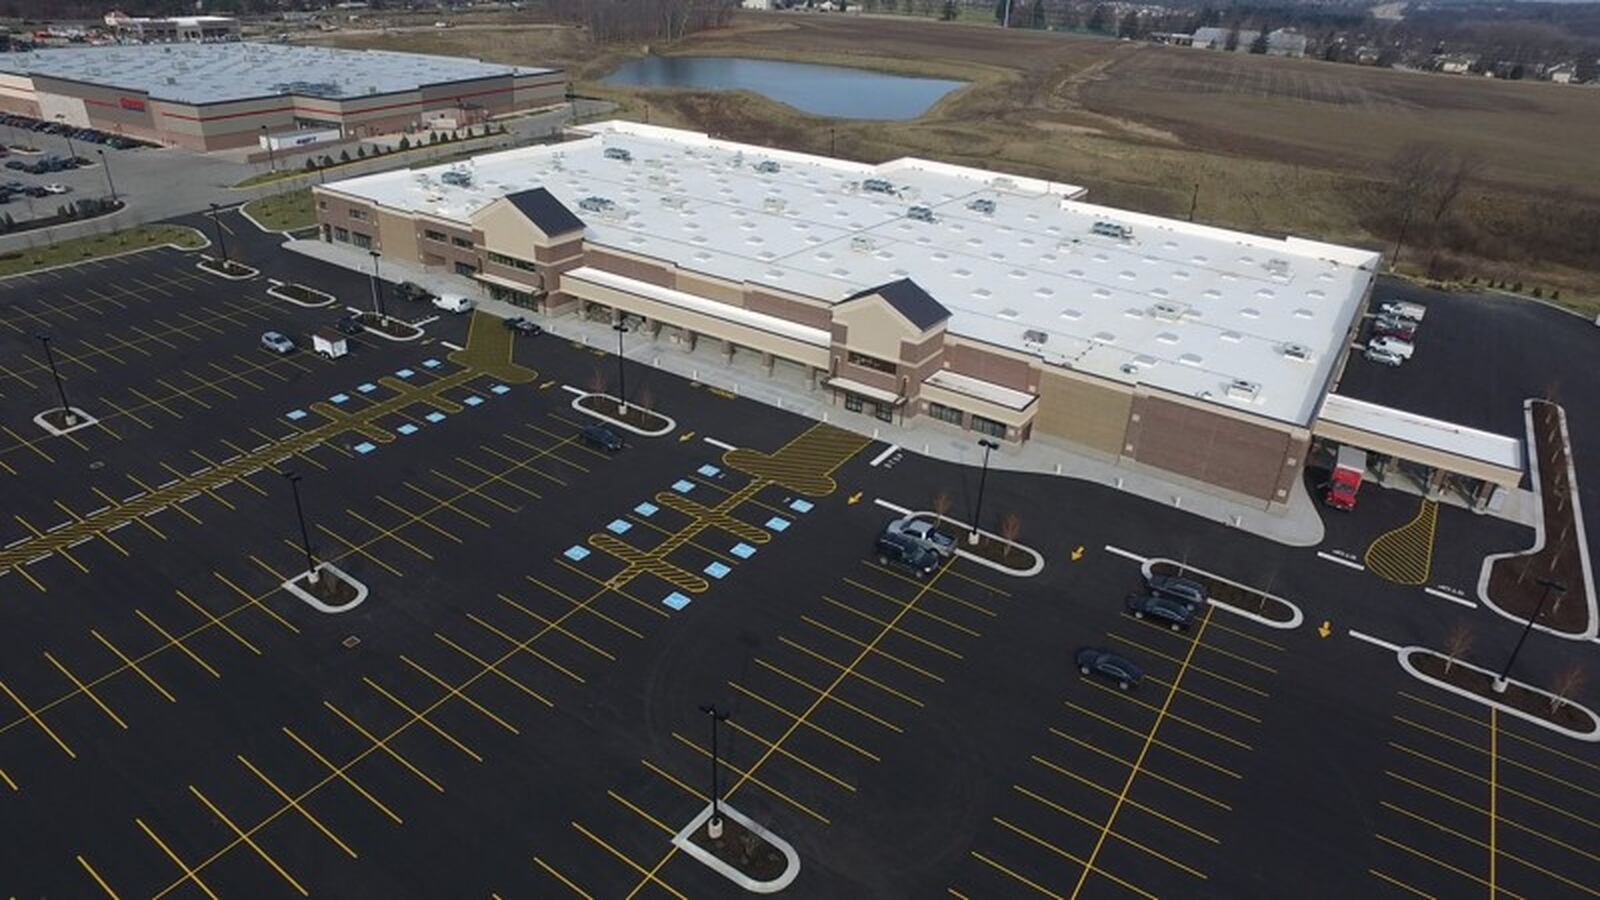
[1348, 469]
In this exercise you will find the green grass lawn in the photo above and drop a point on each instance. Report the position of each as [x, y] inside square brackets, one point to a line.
[288, 211]
[76, 250]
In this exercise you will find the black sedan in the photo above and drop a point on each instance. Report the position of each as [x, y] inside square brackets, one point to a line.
[1119, 669]
[1176, 614]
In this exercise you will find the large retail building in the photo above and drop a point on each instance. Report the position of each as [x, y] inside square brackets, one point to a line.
[990, 303]
[222, 95]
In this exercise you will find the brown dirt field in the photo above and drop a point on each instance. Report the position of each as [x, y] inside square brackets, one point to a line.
[1266, 145]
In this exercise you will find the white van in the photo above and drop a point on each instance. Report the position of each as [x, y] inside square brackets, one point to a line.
[1403, 309]
[454, 303]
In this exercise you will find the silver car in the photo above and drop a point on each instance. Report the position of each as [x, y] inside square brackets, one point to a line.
[1383, 357]
[926, 534]
[277, 342]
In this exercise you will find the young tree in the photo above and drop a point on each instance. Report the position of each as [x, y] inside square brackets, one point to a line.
[941, 507]
[1010, 528]
[344, 156]
[361, 151]
[948, 14]
[1129, 28]
[405, 142]
[1036, 14]
[1567, 684]
[1456, 644]
[1098, 19]
[1231, 42]
[1000, 9]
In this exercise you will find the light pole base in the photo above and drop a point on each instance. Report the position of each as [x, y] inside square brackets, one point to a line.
[714, 828]
[59, 421]
[1499, 685]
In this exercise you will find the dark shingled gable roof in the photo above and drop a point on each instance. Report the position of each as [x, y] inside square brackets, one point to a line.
[544, 210]
[910, 300]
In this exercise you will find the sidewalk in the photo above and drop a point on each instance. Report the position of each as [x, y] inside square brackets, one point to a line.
[1298, 525]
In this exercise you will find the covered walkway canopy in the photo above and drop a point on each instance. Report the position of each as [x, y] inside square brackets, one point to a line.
[1446, 446]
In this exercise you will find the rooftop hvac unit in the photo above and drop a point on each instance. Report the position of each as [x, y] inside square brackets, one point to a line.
[767, 167]
[877, 186]
[1129, 368]
[1297, 351]
[773, 204]
[673, 201]
[456, 177]
[1239, 389]
[862, 244]
[596, 204]
[1035, 336]
[618, 153]
[1111, 230]
[1276, 266]
[1003, 183]
[920, 213]
[1170, 312]
[982, 205]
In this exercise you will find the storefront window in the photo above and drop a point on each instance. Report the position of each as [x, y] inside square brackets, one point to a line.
[852, 402]
[883, 411]
[988, 426]
[364, 241]
[945, 413]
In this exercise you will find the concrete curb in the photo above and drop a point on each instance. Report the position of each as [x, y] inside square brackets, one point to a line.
[328, 568]
[580, 395]
[273, 291]
[85, 420]
[117, 255]
[1295, 621]
[1539, 536]
[1404, 655]
[201, 265]
[792, 859]
[1033, 569]
[388, 337]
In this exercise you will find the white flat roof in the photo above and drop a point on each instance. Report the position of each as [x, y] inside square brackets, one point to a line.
[213, 73]
[1179, 306]
[1448, 437]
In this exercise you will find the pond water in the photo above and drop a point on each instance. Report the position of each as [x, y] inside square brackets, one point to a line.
[834, 91]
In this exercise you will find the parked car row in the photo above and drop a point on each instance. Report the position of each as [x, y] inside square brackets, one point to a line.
[914, 545]
[1170, 600]
[46, 163]
[1392, 337]
[12, 189]
[93, 135]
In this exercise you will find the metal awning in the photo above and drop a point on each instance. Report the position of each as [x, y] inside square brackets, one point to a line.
[1406, 435]
[866, 390]
[508, 283]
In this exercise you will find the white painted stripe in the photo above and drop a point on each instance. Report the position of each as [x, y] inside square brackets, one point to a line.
[96, 512]
[887, 452]
[116, 526]
[1377, 642]
[572, 390]
[716, 443]
[892, 507]
[55, 528]
[1342, 561]
[1451, 597]
[1126, 554]
[456, 347]
[169, 483]
[428, 321]
[200, 471]
[82, 540]
[20, 540]
[156, 510]
[228, 459]
[133, 496]
[37, 558]
[261, 448]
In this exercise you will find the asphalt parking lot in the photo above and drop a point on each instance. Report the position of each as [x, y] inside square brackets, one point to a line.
[513, 711]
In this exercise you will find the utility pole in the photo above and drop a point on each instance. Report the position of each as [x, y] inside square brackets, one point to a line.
[714, 824]
[71, 418]
[305, 537]
[977, 510]
[221, 244]
[621, 328]
[1549, 585]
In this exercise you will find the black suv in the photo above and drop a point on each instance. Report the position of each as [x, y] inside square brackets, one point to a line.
[906, 552]
[1097, 661]
[602, 437]
[1187, 590]
[412, 292]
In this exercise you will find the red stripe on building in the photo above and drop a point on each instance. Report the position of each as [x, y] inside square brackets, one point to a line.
[348, 113]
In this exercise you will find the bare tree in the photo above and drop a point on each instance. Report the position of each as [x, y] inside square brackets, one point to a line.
[1426, 178]
[1456, 644]
[597, 381]
[941, 506]
[1567, 684]
[1010, 527]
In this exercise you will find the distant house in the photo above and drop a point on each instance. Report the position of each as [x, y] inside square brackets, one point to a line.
[1367, 56]
[1175, 38]
[1284, 42]
[756, 4]
[1217, 39]
[1564, 73]
[1456, 65]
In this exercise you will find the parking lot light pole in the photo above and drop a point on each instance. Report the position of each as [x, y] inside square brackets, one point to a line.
[977, 510]
[222, 245]
[377, 296]
[714, 824]
[71, 153]
[622, 385]
[305, 537]
[106, 164]
[71, 417]
[1549, 585]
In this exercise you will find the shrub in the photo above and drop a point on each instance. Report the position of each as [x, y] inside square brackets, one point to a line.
[344, 156]
[361, 151]
[1538, 292]
[1517, 287]
[433, 137]
[311, 164]
[1554, 294]
[405, 142]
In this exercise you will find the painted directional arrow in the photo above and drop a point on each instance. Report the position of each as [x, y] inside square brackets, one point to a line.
[1077, 554]
[1325, 629]
[547, 385]
[685, 436]
[853, 499]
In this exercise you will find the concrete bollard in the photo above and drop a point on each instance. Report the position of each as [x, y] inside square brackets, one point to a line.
[1177, 500]
[1119, 482]
[874, 434]
[1058, 468]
